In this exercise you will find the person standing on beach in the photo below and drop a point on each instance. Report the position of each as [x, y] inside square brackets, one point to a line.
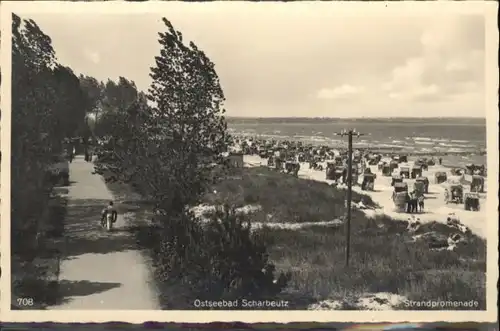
[440, 161]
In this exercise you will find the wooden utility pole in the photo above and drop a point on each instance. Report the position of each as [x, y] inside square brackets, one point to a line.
[349, 133]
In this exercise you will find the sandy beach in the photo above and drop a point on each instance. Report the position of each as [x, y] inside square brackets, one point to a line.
[435, 207]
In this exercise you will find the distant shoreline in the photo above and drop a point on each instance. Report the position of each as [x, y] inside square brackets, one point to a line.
[436, 120]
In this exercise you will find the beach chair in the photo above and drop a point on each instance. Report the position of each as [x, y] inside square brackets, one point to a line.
[404, 172]
[422, 162]
[419, 188]
[368, 182]
[477, 184]
[469, 169]
[400, 187]
[416, 171]
[394, 165]
[400, 200]
[270, 161]
[440, 177]
[386, 170]
[425, 182]
[396, 179]
[454, 194]
[471, 201]
[330, 170]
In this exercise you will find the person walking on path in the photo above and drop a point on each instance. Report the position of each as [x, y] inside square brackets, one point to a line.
[110, 208]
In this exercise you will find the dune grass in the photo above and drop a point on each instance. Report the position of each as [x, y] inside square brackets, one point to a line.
[384, 258]
[381, 261]
[283, 198]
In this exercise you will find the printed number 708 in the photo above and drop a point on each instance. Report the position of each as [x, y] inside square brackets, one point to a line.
[25, 301]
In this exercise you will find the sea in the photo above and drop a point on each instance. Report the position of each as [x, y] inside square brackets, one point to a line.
[464, 138]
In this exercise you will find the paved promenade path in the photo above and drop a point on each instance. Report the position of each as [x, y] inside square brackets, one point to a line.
[99, 270]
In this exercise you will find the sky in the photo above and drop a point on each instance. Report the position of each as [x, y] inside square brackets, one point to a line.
[294, 63]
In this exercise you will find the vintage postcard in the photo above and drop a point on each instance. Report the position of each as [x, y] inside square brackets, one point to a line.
[254, 162]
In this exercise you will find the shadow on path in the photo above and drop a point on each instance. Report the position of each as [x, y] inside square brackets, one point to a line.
[67, 289]
[84, 287]
[84, 234]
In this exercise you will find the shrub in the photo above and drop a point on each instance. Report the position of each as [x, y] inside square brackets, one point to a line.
[217, 260]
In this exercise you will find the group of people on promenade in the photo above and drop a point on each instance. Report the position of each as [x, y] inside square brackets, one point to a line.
[80, 145]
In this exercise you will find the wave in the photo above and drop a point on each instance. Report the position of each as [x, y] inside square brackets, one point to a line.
[422, 138]
[313, 138]
[410, 143]
[456, 150]
[387, 145]
[456, 145]
[436, 140]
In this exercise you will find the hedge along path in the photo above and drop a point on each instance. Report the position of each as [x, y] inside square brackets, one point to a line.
[99, 270]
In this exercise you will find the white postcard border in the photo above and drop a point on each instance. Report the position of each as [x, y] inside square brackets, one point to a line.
[488, 9]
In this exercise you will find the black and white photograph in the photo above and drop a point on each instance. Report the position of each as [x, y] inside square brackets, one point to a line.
[253, 157]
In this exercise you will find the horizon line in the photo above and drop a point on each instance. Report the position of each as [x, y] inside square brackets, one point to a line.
[355, 117]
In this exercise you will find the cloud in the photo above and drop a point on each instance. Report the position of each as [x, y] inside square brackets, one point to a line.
[448, 65]
[92, 56]
[342, 92]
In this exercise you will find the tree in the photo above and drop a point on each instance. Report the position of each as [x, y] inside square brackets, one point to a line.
[94, 92]
[73, 104]
[172, 145]
[47, 106]
[186, 117]
[116, 98]
[32, 59]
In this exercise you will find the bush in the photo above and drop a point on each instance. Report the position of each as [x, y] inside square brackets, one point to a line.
[217, 260]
